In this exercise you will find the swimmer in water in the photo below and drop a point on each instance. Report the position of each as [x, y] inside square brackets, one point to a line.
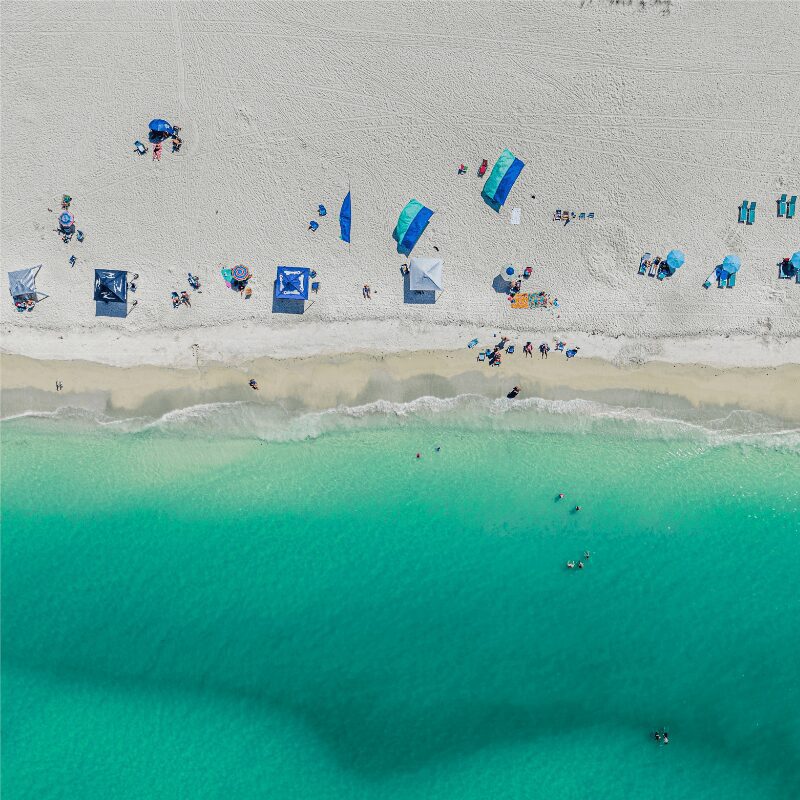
[580, 565]
[587, 555]
[577, 508]
[658, 736]
[418, 455]
[666, 738]
[561, 497]
[570, 565]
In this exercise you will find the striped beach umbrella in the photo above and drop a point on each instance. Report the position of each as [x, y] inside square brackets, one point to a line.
[66, 220]
[240, 273]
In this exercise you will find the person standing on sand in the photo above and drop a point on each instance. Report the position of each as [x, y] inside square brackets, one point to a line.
[528, 349]
[366, 292]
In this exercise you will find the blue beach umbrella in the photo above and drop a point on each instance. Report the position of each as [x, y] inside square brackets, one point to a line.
[66, 219]
[795, 260]
[161, 126]
[675, 259]
[731, 264]
[509, 271]
[504, 173]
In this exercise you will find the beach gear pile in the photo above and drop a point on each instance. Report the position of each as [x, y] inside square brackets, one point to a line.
[661, 267]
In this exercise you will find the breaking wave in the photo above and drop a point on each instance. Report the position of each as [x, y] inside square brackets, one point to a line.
[273, 422]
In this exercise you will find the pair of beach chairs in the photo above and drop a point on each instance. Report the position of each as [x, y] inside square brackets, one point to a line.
[651, 266]
[787, 209]
[565, 216]
[722, 277]
[787, 270]
[747, 212]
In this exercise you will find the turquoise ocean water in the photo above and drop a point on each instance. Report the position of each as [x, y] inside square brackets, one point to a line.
[228, 604]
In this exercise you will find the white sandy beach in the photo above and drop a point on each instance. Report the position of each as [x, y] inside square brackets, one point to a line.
[661, 119]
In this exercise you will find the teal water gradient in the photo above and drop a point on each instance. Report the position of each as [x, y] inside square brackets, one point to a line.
[191, 616]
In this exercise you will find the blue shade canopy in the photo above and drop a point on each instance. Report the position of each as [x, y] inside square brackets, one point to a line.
[504, 173]
[292, 283]
[731, 264]
[795, 260]
[675, 259]
[411, 223]
[161, 126]
[111, 285]
[345, 219]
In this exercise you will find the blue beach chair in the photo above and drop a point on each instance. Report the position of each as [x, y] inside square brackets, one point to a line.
[731, 280]
[510, 349]
[322, 210]
[751, 213]
[743, 211]
[643, 263]
[481, 356]
[582, 215]
[141, 149]
[722, 278]
[781, 205]
[313, 225]
[590, 215]
[790, 206]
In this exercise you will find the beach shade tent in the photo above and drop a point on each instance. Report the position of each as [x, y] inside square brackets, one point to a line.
[161, 126]
[345, 218]
[504, 173]
[22, 284]
[292, 283]
[731, 264]
[111, 285]
[674, 260]
[411, 223]
[425, 274]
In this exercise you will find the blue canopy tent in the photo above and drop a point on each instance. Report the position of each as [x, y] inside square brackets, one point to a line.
[504, 173]
[111, 285]
[292, 283]
[411, 223]
[345, 217]
[795, 261]
[674, 260]
[161, 126]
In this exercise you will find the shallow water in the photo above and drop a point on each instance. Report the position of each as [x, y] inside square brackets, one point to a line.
[193, 614]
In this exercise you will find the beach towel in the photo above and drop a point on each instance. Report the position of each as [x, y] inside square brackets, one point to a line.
[520, 300]
[516, 216]
[472, 344]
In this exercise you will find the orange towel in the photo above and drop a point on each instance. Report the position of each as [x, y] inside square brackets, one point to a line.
[520, 300]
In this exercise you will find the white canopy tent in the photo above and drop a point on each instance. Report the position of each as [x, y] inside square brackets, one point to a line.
[425, 274]
[22, 284]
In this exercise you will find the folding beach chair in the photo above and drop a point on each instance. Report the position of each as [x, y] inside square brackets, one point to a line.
[582, 215]
[743, 211]
[661, 274]
[781, 205]
[322, 210]
[313, 225]
[643, 263]
[590, 215]
[140, 148]
[731, 280]
[557, 215]
[472, 344]
[481, 356]
[653, 267]
[315, 286]
[510, 349]
[790, 206]
[722, 279]
[751, 213]
[710, 279]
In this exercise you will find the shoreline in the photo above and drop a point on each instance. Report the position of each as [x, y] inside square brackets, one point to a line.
[324, 381]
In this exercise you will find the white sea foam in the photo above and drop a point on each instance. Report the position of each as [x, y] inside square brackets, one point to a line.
[272, 422]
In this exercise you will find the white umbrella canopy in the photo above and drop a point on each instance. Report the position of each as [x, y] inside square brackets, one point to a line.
[425, 274]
